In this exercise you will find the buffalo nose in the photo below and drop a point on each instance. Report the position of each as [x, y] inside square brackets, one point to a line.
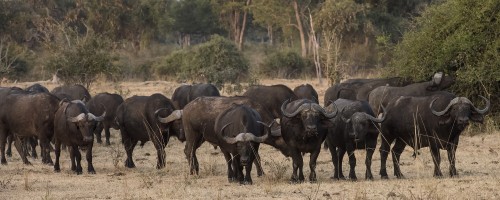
[311, 128]
[463, 121]
[244, 162]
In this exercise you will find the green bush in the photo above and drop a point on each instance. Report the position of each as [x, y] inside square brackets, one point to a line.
[285, 64]
[216, 61]
[459, 37]
[84, 61]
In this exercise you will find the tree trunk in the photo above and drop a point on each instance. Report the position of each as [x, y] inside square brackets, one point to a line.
[243, 25]
[301, 29]
[270, 34]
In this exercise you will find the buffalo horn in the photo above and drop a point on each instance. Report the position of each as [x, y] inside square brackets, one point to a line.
[78, 118]
[245, 137]
[175, 115]
[323, 111]
[297, 111]
[276, 132]
[440, 113]
[93, 117]
[377, 120]
[483, 111]
[342, 116]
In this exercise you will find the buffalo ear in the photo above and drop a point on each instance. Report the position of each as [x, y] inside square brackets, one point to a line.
[476, 117]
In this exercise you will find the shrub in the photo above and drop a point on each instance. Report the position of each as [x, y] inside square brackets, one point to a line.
[84, 61]
[285, 64]
[459, 37]
[216, 61]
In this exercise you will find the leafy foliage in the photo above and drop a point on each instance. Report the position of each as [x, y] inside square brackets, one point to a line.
[285, 64]
[83, 62]
[216, 61]
[459, 37]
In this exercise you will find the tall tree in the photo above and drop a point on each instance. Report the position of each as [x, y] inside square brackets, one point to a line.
[233, 16]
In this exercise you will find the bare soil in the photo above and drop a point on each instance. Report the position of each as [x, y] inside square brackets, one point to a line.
[477, 163]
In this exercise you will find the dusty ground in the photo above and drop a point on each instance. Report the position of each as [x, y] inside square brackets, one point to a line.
[477, 163]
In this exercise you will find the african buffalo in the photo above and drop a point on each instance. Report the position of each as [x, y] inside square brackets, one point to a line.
[383, 94]
[105, 102]
[199, 117]
[359, 89]
[271, 97]
[353, 128]
[72, 92]
[36, 88]
[74, 126]
[433, 121]
[238, 134]
[26, 115]
[304, 126]
[187, 93]
[140, 119]
[306, 91]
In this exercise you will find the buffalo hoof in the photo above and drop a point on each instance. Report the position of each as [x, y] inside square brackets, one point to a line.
[295, 180]
[9, 154]
[401, 176]
[260, 173]
[4, 162]
[28, 163]
[57, 170]
[79, 173]
[232, 180]
[338, 178]
[384, 177]
[108, 143]
[353, 178]
[246, 183]
[129, 164]
[34, 156]
[92, 172]
[369, 178]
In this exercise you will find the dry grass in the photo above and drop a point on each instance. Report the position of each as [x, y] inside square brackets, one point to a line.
[477, 163]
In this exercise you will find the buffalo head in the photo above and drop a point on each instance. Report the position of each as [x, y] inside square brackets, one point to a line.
[176, 124]
[359, 124]
[85, 123]
[441, 82]
[309, 113]
[243, 143]
[460, 110]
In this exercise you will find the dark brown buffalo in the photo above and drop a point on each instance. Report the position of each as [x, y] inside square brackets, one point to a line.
[381, 96]
[306, 91]
[238, 134]
[271, 97]
[304, 126]
[355, 127]
[105, 102]
[141, 119]
[72, 92]
[199, 118]
[36, 88]
[359, 89]
[27, 115]
[187, 93]
[434, 121]
[73, 127]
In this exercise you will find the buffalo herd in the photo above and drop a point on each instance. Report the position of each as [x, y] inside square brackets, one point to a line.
[354, 114]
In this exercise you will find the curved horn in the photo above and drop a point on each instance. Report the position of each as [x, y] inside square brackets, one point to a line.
[175, 115]
[484, 110]
[254, 138]
[377, 120]
[244, 137]
[342, 116]
[93, 117]
[276, 132]
[290, 115]
[78, 118]
[440, 113]
[323, 111]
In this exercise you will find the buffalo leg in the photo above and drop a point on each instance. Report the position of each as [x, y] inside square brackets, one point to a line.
[238, 169]
[45, 151]
[129, 145]
[33, 142]
[57, 152]
[160, 151]
[3, 139]
[190, 152]
[248, 178]
[368, 161]
[298, 164]
[312, 164]
[107, 134]
[97, 132]
[229, 161]
[88, 156]
[352, 163]
[257, 163]
[436, 158]
[451, 149]
[384, 149]
[20, 150]
[340, 153]
[9, 145]
[78, 159]
[335, 161]
[72, 156]
[396, 151]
